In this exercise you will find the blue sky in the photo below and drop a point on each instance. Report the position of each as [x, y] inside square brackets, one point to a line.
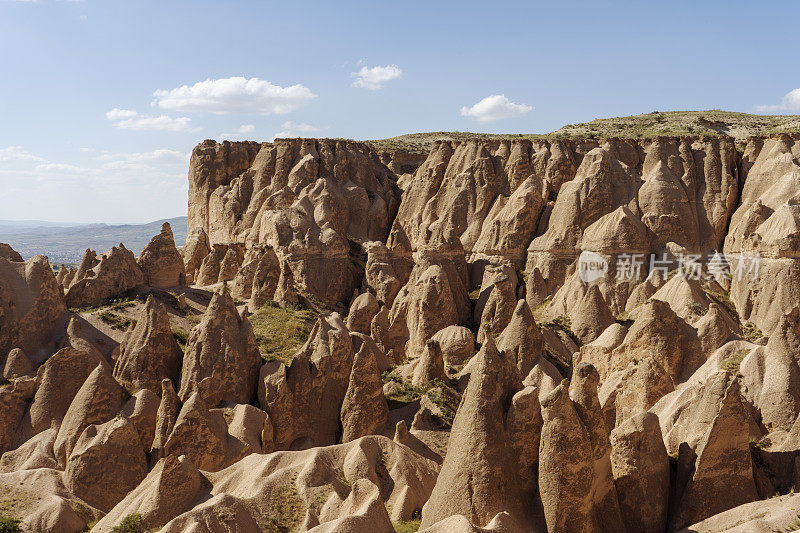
[101, 101]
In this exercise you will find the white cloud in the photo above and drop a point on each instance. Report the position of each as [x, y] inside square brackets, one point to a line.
[495, 107]
[374, 78]
[296, 129]
[120, 114]
[63, 168]
[17, 153]
[160, 156]
[241, 132]
[789, 102]
[234, 95]
[127, 119]
[97, 186]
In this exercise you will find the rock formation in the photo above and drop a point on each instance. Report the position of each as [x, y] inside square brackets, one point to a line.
[647, 399]
[32, 307]
[223, 350]
[114, 273]
[149, 352]
[161, 263]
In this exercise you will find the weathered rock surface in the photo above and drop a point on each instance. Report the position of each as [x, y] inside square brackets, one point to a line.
[304, 400]
[149, 352]
[483, 471]
[221, 349]
[32, 307]
[114, 273]
[87, 474]
[161, 263]
[640, 465]
[364, 410]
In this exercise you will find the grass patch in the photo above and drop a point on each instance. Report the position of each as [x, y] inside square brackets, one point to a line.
[180, 336]
[288, 508]
[697, 309]
[762, 444]
[408, 526]
[114, 303]
[130, 524]
[115, 321]
[8, 524]
[403, 394]
[280, 332]
[439, 393]
[751, 332]
[731, 363]
[446, 399]
[725, 301]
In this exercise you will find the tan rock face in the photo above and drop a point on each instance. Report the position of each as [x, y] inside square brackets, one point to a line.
[721, 476]
[640, 465]
[149, 352]
[168, 490]
[32, 307]
[161, 263]
[193, 252]
[364, 410]
[222, 349]
[674, 413]
[114, 273]
[303, 197]
[258, 276]
[58, 380]
[96, 402]
[765, 222]
[9, 254]
[304, 400]
[482, 474]
[487, 193]
[457, 344]
[87, 474]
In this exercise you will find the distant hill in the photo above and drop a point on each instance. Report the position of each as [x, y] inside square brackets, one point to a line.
[67, 243]
[713, 122]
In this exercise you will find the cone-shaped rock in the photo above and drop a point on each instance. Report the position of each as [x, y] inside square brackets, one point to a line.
[583, 393]
[723, 470]
[167, 413]
[480, 474]
[17, 365]
[522, 339]
[161, 263]
[566, 493]
[591, 316]
[87, 474]
[430, 366]
[167, 491]
[362, 311]
[641, 473]
[149, 352]
[199, 434]
[364, 411]
[97, 401]
[223, 348]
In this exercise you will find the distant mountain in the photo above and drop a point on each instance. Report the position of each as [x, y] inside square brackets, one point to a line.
[67, 243]
[27, 224]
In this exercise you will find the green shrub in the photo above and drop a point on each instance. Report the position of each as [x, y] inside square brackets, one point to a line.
[8, 524]
[731, 363]
[281, 332]
[130, 524]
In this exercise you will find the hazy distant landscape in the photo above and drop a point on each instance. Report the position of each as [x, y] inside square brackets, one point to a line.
[66, 243]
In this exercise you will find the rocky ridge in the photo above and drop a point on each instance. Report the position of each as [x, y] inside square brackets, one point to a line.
[459, 373]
